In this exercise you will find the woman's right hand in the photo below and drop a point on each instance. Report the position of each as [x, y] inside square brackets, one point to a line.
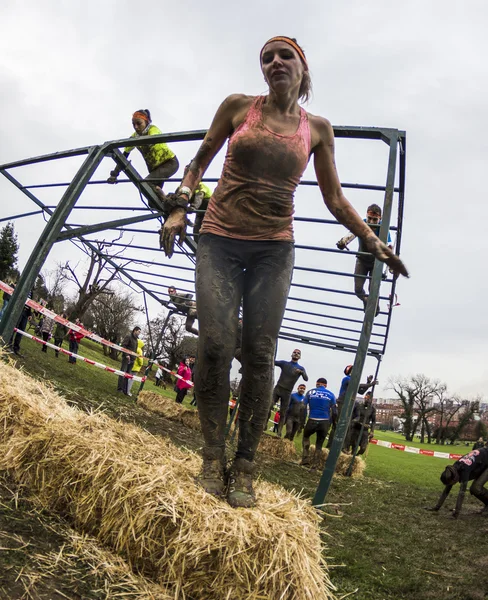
[385, 254]
[175, 225]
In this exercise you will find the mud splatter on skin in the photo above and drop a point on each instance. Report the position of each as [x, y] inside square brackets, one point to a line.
[262, 169]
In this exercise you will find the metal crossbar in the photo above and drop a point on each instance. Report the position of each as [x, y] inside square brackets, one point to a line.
[144, 267]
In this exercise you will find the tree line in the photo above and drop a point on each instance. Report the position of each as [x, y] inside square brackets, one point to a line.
[430, 410]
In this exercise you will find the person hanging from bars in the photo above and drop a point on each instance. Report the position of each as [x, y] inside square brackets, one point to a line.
[361, 429]
[471, 467]
[362, 389]
[365, 262]
[185, 305]
[246, 250]
[161, 161]
[291, 371]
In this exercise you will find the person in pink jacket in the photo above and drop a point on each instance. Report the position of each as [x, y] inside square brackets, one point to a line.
[181, 384]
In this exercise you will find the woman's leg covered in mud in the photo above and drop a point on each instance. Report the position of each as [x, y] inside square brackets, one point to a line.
[266, 287]
[219, 284]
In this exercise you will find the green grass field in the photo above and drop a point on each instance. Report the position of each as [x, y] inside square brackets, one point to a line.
[381, 541]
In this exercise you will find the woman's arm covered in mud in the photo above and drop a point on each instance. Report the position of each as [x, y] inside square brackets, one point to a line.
[220, 129]
[336, 202]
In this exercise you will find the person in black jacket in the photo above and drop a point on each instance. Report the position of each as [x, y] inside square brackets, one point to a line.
[471, 467]
[15, 340]
[129, 342]
[479, 444]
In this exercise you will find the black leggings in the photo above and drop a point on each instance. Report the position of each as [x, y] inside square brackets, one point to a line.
[227, 271]
[158, 176]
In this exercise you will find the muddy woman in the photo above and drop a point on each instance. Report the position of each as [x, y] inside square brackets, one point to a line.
[246, 251]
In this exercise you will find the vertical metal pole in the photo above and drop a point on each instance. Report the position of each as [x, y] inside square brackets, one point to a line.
[45, 243]
[163, 329]
[347, 408]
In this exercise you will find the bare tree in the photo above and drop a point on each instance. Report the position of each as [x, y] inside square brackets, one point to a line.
[54, 284]
[469, 408]
[112, 316]
[447, 407]
[417, 394]
[95, 282]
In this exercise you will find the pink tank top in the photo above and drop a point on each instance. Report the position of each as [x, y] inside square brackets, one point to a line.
[253, 199]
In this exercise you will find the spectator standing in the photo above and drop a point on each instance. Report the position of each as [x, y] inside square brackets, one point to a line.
[130, 342]
[60, 332]
[46, 331]
[74, 338]
[138, 363]
[182, 385]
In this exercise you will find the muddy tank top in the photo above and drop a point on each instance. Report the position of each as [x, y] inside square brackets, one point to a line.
[253, 199]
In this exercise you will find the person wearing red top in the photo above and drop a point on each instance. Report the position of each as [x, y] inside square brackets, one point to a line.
[276, 422]
[182, 385]
[74, 338]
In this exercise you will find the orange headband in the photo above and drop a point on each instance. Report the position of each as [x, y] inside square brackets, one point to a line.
[289, 41]
[140, 115]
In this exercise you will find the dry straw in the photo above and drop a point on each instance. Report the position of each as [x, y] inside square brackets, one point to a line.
[169, 409]
[342, 464]
[82, 553]
[137, 494]
[277, 448]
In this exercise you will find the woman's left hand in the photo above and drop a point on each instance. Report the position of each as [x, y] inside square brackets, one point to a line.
[383, 253]
[175, 225]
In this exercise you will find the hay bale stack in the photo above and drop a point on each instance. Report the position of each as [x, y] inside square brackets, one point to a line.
[190, 419]
[170, 409]
[161, 405]
[343, 462]
[276, 447]
[138, 495]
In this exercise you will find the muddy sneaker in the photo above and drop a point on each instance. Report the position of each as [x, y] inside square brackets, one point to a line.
[240, 493]
[213, 471]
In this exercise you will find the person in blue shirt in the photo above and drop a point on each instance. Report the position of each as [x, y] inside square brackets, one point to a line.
[362, 389]
[364, 264]
[290, 372]
[321, 404]
[297, 413]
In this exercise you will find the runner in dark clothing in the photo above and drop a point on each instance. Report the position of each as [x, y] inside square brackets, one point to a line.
[362, 426]
[362, 389]
[365, 262]
[297, 413]
[472, 466]
[290, 372]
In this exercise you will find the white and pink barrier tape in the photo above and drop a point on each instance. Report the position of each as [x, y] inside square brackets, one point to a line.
[414, 450]
[40, 308]
[82, 358]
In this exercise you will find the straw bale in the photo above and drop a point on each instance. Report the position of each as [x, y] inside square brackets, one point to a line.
[138, 495]
[343, 463]
[191, 419]
[160, 404]
[276, 447]
[79, 552]
[170, 409]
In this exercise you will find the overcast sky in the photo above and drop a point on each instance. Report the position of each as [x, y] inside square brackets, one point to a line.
[71, 74]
